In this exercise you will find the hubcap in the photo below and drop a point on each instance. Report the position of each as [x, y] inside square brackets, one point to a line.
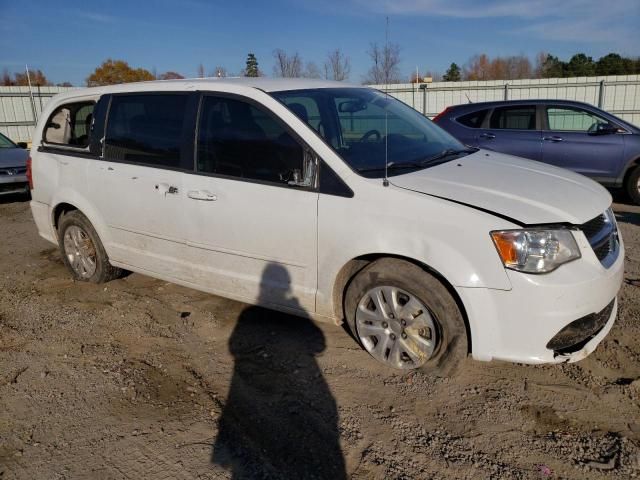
[80, 251]
[396, 328]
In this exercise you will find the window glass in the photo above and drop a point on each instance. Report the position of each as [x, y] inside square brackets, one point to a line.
[573, 119]
[473, 119]
[307, 110]
[146, 129]
[70, 125]
[368, 129]
[6, 143]
[238, 139]
[515, 118]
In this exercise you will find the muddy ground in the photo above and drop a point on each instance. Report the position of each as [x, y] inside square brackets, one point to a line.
[139, 378]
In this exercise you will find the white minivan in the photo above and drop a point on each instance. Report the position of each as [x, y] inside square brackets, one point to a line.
[331, 201]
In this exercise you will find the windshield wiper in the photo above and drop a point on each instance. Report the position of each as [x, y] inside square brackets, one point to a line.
[437, 158]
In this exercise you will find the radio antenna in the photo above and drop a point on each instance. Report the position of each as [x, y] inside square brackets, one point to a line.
[385, 64]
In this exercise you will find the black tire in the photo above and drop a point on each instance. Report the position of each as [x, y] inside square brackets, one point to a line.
[631, 185]
[104, 271]
[452, 344]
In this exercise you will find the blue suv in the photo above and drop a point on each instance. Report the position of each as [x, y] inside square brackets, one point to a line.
[567, 134]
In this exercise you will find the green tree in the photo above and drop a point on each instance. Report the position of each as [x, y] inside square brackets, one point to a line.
[553, 67]
[117, 71]
[613, 64]
[453, 74]
[251, 69]
[581, 66]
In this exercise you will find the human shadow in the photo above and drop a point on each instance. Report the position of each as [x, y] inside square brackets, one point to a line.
[280, 419]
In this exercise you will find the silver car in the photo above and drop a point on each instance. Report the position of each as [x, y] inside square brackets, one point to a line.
[13, 167]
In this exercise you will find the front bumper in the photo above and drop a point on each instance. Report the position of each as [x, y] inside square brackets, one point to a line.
[518, 325]
[13, 184]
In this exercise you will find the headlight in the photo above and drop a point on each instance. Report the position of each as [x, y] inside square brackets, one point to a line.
[535, 250]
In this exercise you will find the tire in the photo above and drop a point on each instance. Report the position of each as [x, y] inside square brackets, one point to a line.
[411, 289]
[632, 185]
[82, 251]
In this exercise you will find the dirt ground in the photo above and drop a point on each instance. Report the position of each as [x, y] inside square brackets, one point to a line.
[139, 378]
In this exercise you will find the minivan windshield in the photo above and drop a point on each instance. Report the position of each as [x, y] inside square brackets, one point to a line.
[368, 128]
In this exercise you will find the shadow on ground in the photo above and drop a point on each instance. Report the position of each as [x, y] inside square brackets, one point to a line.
[280, 419]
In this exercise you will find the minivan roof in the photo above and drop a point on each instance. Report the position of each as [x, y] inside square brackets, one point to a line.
[265, 84]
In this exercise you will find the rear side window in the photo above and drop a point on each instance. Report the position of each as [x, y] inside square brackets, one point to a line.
[70, 125]
[237, 139]
[473, 119]
[514, 118]
[146, 129]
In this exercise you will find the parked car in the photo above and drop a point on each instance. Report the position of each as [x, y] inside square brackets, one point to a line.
[564, 133]
[13, 167]
[331, 201]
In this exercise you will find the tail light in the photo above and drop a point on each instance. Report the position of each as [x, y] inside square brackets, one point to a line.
[437, 117]
[29, 173]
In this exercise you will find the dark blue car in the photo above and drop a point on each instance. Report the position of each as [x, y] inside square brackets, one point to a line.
[567, 134]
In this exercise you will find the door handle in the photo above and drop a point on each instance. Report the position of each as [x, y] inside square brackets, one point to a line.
[489, 136]
[552, 139]
[202, 195]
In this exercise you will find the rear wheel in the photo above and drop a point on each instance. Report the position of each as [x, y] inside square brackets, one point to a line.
[633, 185]
[406, 318]
[82, 250]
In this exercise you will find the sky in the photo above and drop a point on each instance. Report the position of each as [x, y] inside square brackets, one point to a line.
[67, 40]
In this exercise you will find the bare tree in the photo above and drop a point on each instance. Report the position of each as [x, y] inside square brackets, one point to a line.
[219, 72]
[386, 63]
[200, 73]
[337, 67]
[288, 66]
[311, 71]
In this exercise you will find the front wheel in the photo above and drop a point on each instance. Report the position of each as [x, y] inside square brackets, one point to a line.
[633, 185]
[406, 318]
[82, 250]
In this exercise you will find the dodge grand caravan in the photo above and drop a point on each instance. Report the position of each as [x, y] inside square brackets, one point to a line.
[333, 201]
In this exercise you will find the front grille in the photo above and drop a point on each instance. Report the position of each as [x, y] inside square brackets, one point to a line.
[602, 234]
[13, 171]
[577, 334]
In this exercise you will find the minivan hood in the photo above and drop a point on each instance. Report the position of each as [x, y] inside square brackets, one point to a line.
[523, 190]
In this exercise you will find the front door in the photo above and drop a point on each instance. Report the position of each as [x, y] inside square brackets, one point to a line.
[512, 130]
[251, 235]
[571, 140]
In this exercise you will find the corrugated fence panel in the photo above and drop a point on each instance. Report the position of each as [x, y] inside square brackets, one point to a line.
[618, 94]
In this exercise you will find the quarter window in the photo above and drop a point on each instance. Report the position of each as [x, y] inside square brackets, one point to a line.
[473, 119]
[70, 125]
[238, 139]
[573, 119]
[514, 118]
[146, 129]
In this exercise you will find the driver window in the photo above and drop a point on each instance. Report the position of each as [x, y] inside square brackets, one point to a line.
[238, 139]
[573, 120]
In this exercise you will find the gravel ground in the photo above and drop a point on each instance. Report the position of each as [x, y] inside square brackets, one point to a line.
[140, 378]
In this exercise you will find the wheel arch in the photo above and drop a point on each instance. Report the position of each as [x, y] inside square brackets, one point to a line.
[350, 269]
[629, 168]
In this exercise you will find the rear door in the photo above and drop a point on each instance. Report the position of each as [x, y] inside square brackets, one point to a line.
[137, 185]
[570, 140]
[514, 130]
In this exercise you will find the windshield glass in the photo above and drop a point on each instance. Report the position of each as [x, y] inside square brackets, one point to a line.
[6, 143]
[365, 126]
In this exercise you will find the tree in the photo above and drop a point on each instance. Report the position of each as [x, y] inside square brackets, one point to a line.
[36, 77]
[613, 64]
[553, 67]
[337, 66]
[581, 66]
[170, 75]
[478, 68]
[251, 69]
[117, 71]
[453, 74]
[6, 78]
[200, 72]
[287, 66]
[386, 63]
[219, 72]
[311, 71]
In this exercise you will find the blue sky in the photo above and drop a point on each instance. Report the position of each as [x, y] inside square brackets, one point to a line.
[68, 39]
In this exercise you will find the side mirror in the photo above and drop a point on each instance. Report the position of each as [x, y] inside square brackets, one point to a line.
[307, 177]
[23, 145]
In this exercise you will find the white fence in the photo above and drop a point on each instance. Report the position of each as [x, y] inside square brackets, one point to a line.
[619, 95]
